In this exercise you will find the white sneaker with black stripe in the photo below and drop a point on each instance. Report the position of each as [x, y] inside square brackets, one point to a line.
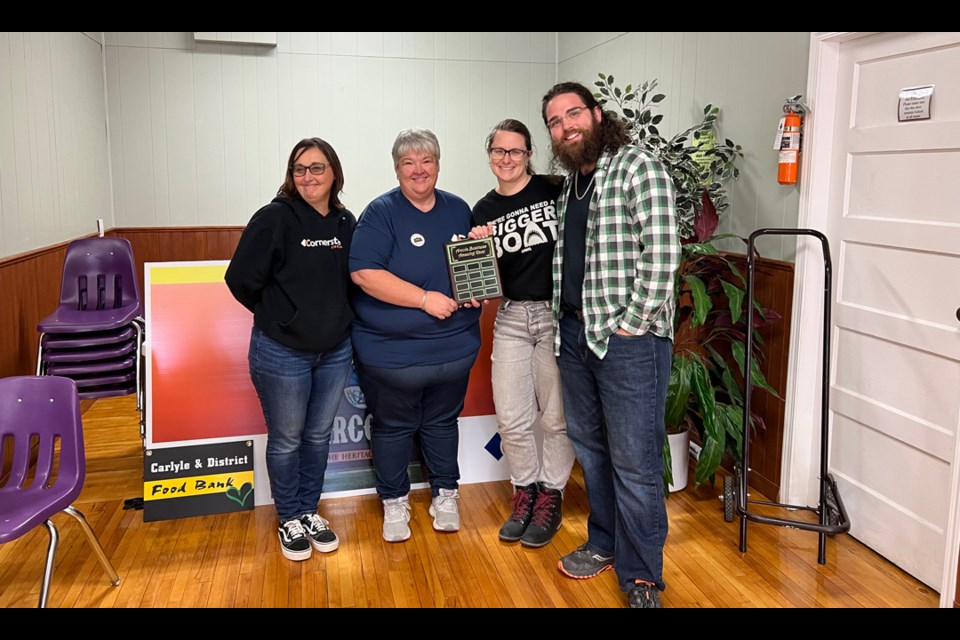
[294, 544]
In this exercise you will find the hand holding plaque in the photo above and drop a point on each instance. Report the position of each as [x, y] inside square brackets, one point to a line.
[473, 270]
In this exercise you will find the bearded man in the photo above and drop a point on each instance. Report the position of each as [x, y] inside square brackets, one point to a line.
[614, 269]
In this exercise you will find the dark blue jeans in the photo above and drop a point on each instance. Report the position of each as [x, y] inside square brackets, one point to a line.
[421, 399]
[299, 392]
[615, 420]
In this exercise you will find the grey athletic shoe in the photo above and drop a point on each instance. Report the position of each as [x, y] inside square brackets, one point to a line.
[644, 596]
[446, 515]
[396, 519]
[584, 563]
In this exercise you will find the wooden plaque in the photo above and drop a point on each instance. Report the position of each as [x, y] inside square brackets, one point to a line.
[473, 270]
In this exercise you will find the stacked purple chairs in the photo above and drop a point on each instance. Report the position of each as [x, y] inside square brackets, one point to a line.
[40, 418]
[95, 336]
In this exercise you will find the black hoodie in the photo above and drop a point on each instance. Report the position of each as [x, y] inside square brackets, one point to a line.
[290, 270]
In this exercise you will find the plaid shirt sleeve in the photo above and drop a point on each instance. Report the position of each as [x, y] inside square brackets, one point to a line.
[558, 264]
[633, 252]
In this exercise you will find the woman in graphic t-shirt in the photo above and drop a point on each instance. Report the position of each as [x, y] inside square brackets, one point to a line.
[520, 214]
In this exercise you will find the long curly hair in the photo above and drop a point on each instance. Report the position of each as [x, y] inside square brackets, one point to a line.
[613, 133]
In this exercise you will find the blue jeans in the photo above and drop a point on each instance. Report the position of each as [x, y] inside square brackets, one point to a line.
[420, 399]
[615, 419]
[299, 392]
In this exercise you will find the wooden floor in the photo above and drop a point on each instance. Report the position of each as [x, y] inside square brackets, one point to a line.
[233, 560]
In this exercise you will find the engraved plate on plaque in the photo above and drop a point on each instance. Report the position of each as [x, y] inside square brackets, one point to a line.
[473, 270]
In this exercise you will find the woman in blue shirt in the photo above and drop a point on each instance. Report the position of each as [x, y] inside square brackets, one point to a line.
[414, 346]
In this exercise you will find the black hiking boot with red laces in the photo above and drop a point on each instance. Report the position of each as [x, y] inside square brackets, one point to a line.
[523, 500]
[546, 520]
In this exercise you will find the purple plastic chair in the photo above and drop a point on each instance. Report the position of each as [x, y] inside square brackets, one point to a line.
[98, 290]
[79, 340]
[99, 311]
[44, 410]
[88, 354]
[105, 366]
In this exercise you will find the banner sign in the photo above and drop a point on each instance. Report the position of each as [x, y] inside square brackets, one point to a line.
[199, 390]
[179, 482]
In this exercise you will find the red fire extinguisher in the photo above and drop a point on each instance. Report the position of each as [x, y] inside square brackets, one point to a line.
[791, 123]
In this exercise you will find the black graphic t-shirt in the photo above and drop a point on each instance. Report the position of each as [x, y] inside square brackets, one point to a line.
[524, 233]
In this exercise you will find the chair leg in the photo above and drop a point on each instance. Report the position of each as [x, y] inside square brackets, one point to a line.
[92, 539]
[140, 326]
[48, 568]
[40, 355]
[139, 331]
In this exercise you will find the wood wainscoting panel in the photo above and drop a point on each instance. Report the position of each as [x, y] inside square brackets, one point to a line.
[176, 244]
[30, 283]
[774, 290]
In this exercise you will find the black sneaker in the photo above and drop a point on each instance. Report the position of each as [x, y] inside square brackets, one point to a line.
[516, 524]
[644, 596]
[293, 540]
[321, 537]
[546, 520]
[584, 563]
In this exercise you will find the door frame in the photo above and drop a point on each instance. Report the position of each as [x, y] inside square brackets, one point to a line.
[800, 463]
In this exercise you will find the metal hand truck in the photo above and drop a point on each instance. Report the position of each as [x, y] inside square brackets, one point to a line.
[832, 514]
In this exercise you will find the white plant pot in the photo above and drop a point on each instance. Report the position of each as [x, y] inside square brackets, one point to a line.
[680, 456]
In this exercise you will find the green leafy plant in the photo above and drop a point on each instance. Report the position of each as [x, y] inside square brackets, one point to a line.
[710, 324]
[697, 161]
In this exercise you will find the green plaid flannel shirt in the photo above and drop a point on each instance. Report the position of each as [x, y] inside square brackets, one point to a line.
[632, 252]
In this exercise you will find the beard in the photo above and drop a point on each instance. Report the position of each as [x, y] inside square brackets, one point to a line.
[585, 151]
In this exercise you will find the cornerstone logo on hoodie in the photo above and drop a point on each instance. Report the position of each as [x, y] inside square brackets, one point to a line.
[332, 243]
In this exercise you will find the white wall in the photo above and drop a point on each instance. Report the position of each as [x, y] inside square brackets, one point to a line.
[54, 167]
[747, 75]
[200, 132]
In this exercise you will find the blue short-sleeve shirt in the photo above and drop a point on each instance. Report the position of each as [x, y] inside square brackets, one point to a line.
[395, 236]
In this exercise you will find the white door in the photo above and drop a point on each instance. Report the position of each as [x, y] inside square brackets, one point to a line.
[893, 219]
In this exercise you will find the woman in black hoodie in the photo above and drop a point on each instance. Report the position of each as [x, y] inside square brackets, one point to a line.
[290, 270]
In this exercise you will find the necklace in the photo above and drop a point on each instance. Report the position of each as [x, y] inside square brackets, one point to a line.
[576, 185]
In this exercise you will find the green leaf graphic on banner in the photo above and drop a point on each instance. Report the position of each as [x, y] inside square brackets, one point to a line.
[240, 495]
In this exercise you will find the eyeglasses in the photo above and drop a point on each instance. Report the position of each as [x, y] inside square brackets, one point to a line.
[497, 153]
[317, 169]
[570, 115]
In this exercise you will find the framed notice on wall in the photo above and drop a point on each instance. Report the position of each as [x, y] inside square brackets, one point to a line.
[180, 482]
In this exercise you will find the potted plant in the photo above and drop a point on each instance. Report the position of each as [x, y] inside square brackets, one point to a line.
[708, 357]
